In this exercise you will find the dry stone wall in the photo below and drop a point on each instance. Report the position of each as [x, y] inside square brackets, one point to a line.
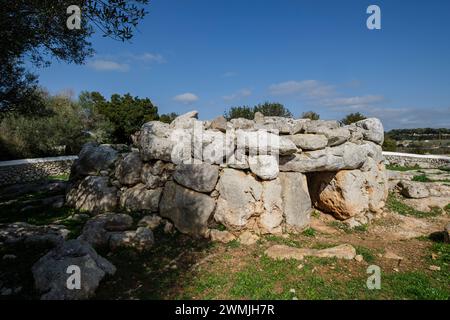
[240, 178]
[26, 170]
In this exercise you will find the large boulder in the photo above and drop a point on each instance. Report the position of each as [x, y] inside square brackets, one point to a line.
[155, 175]
[413, 189]
[239, 193]
[342, 193]
[272, 216]
[153, 147]
[264, 166]
[128, 170]
[50, 271]
[187, 209]
[219, 123]
[199, 177]
[185, 121]
[296, 200]
[139, 198]
[22, 232]
[94, 158]
[345, 156]
[97, 230]
[93, 194]
[142, 239]
[372, 130]
[262, 142]
[309, 141]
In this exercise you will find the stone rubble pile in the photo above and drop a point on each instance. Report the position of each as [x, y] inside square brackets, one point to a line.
[232, 179]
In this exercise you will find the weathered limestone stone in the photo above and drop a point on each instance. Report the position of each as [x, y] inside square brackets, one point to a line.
[221, 236]
[296, 200]
[185, 121]
[128, 171]
[50, 274]
[343, 193]
[216, 146]
[239, 193]
[264, 166]
[156, 174]
[270, 220]
[413, 189]
[219, 123]
[187, 209]
[264, 142]
[151, 222]
[142, 239]
[139, 198]
[97, 230]
[345, 156]
[309, 141]
[199, 177]
[21, 232]
[238, 160]
[281, 252]
[247, 238]
[372, 130]
[242, 123]
[93, 194]
[94, 158]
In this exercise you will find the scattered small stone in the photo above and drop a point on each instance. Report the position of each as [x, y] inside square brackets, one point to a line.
[292, 291]
[247, 238]
[294, 298]
[151, 222]
[392, 255]
[6, 291]
[168, 227]
[434, 256]
[434, 268]
[9, 257]
[300, 266]
[359, 258]
[221, 236]
[396, 269]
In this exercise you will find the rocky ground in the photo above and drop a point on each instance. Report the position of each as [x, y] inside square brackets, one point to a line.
[329, 260]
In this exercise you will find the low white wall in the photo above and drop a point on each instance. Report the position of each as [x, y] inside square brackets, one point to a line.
[411, 160]
[26, 170]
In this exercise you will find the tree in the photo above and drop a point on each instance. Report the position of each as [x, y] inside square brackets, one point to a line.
[37, 30]
[126, 113]
[269, 109]
[310, 115]
[352, 118]
[272, 109]
[168, 117]
[240, 112]
[389, 144]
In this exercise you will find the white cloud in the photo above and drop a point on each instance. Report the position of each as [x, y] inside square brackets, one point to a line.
[151, 57]
[353, 102]
[229, 74]
[310, 88]
[186, 98]
[108, 65]
[238, 94]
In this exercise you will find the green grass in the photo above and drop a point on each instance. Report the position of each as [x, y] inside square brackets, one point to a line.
[366, 253]
[309, 232]
[402, 168]
[281, 240]
[395, 204]
[62, 177]
[421, 178]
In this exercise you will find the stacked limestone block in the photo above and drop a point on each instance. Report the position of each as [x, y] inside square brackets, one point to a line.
[253, 177]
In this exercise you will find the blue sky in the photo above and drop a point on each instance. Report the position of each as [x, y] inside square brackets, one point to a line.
[315, 55]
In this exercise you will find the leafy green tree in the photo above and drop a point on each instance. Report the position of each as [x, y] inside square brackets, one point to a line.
[168, 117]
[126, 113]
[240, 112]
[269, 109]
[389, 144]
[352, 118]
[310, 115]
[36, 31]
[272, 109]
[59, 132]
